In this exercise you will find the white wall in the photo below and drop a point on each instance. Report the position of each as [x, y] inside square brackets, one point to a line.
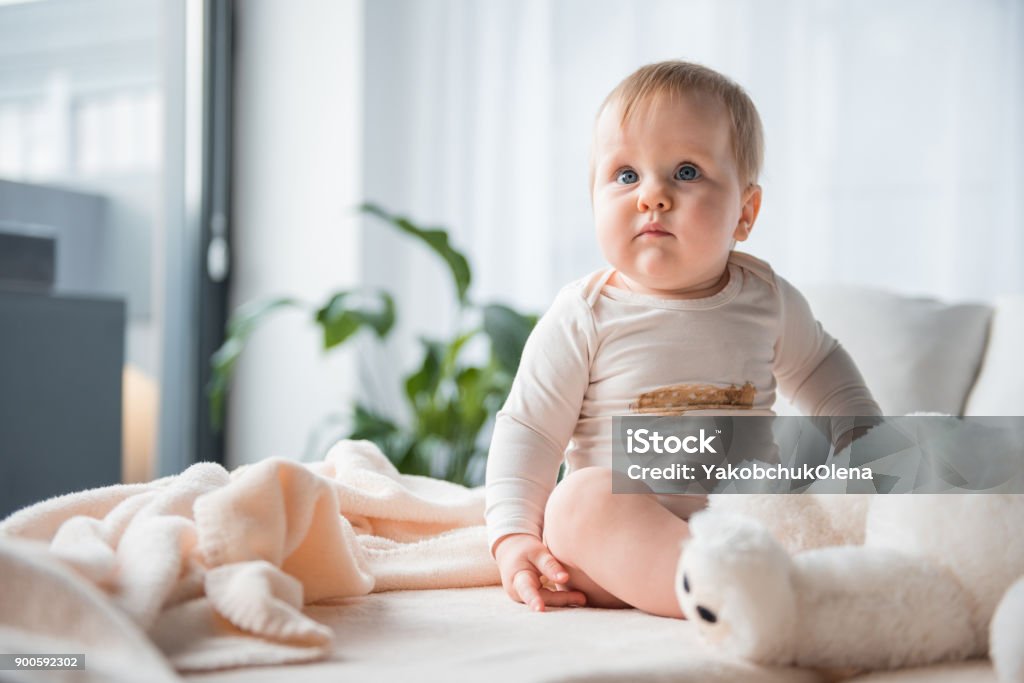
[297, 152]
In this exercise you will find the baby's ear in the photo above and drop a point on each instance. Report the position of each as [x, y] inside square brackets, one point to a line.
[748, 214]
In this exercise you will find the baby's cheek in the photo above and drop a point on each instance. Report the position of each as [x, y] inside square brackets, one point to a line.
[611, 245]
[718, 216]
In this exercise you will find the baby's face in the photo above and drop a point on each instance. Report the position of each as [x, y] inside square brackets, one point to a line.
[668, 200]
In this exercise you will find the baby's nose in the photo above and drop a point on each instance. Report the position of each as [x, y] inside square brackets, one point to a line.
[653, 202]
[653, 196]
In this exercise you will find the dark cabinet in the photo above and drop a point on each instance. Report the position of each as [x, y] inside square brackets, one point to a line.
[61, 360]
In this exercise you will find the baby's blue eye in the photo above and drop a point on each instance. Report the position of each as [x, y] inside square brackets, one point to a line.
[687, 172]
[627, 177]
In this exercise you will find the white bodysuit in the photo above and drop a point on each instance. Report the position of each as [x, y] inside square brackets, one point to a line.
[601, 351]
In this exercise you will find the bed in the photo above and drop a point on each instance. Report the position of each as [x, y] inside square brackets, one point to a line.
[420, 595]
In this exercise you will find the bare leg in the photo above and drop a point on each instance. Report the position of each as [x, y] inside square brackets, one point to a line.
[619, 549]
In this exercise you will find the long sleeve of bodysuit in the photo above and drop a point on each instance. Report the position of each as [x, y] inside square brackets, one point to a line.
[813, 370]
[534, 427]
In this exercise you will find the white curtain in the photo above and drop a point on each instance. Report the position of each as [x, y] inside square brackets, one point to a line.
[895, 155]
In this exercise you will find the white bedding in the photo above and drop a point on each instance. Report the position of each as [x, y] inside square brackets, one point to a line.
[80, 574]
[478, 634]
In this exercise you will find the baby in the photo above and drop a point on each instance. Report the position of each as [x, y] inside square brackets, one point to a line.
[676, 154]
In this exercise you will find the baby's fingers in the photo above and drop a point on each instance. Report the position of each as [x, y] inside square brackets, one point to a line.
[549, 566]
[527, 585]
[563, 598]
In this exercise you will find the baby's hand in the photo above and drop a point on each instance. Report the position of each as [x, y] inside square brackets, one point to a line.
[522, 560]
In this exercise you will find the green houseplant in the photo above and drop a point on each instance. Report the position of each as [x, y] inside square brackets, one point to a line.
[451, 400]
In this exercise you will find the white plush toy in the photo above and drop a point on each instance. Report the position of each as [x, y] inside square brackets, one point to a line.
[908, 579]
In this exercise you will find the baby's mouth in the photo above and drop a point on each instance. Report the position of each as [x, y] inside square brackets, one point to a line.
[653, 231]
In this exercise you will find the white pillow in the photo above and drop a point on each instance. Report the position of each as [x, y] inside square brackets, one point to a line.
[916, 355]
[998, 390]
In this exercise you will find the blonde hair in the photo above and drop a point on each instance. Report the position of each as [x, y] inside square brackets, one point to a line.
[677, 78]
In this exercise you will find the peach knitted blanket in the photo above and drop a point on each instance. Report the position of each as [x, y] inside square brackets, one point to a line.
[215, 567]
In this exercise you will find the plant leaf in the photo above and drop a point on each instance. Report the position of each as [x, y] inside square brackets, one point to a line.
[369, 425]
[249, 316]
[398, 444]
[451, 354]
[508, 331]
[421, 386]
[340, 320]
[473, 385]
[243, 322]
[437, 240]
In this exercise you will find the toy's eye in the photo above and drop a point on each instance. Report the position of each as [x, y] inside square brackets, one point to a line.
[687, 172]
[686, 583]
[627, 176]
[706, 614]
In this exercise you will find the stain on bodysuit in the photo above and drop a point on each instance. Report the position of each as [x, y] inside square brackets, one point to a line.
[677, 399]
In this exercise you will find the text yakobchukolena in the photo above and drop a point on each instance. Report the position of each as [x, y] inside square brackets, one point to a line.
[696, 454]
